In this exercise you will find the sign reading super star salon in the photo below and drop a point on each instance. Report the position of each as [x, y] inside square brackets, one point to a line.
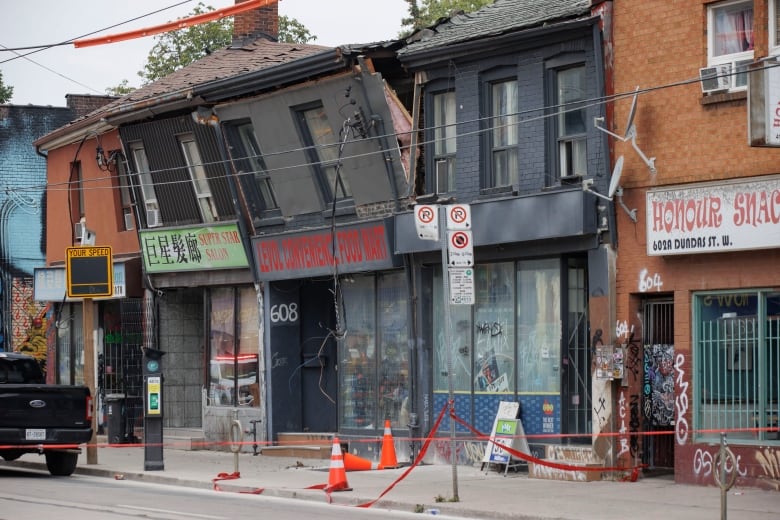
[714, 217]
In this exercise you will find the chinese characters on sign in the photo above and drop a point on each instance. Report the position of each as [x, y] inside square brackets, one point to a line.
[210, 247]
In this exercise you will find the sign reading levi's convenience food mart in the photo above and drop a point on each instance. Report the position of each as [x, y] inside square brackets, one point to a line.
[714, 217]
[216, 246]
[359, 247]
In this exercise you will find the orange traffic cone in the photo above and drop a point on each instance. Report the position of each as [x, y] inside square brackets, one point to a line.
[337, 477]
[388, 459]
[355, 463]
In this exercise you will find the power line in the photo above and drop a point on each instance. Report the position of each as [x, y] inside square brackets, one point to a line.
[546, 112]
[39, 48]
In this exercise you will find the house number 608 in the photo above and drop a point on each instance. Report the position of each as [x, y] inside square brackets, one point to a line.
[284, 312]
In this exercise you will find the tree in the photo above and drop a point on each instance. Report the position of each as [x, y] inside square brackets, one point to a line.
[120, 90]
[6, 91]
[178, 49]
[426, 12]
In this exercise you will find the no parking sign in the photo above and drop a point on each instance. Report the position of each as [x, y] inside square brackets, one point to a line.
[460, 249]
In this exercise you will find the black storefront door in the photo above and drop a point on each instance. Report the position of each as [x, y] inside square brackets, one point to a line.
[318, 357]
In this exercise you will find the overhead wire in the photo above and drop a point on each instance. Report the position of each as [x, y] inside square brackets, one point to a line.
[548, 111]
[39, 48]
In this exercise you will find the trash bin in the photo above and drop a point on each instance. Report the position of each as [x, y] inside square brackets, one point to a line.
[115, 412]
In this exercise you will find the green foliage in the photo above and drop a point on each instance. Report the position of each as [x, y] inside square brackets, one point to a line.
[177, 49]
[6, 91]
[423, 13]
[120, 90]
[293, 31]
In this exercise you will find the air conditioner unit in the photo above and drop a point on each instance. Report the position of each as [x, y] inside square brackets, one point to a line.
[716, 78]
[78, 231]
[442, 176]
[129, 222]
[153, 217]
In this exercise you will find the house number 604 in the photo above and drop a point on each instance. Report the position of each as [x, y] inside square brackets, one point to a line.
[284, 312]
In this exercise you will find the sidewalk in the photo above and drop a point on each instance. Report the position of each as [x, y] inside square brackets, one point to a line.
[482, 494]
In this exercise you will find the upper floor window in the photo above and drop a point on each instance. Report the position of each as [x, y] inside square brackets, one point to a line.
[444, 141]
[774, 26]
[569, 92]
[504, 134]
[730, 40]
[251, 168]
[146, 184]
[126, 201]
[324, 151]
[200, 182]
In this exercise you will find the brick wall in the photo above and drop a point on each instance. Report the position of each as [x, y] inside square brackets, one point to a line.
[260, 21]
[83, 104]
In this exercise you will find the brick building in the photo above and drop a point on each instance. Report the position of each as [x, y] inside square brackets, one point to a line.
[697, 303]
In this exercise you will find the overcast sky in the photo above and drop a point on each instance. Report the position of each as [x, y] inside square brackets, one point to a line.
[62, 70]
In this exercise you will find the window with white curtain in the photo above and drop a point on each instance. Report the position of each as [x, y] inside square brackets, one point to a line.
[570, 92]
[774, 27]
[730, 38]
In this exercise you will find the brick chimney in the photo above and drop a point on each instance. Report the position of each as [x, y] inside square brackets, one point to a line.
[260, 22]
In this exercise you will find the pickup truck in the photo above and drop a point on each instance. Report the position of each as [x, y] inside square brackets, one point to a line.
[35, 417]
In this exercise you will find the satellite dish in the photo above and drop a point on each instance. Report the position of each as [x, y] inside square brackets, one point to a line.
[614, 183]
[631, 114]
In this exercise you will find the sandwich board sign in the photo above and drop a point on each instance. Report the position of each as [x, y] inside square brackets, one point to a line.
[507, 431]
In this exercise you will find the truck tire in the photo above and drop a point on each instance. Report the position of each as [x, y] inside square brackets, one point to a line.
[61, 463]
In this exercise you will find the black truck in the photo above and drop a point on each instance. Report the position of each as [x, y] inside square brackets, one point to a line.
[35, 417]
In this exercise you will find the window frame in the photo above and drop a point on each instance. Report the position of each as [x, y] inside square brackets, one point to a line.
[442, 135]
[145, 182]
[566, 167]
[714, 412]
[513, 178]
[235, 310]
[198, 176]
[316, 147]
[774, 26]
[739, 61]
[124, 198]
[244, 148]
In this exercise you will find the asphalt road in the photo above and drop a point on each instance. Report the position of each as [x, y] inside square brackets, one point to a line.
[28, 493]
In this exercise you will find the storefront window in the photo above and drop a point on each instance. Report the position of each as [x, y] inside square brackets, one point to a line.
[539, 325]
[234, 347]
[374, 366]
[494, 328]
[393, 349]
[483, 345]
[358, 366]
[737, 358]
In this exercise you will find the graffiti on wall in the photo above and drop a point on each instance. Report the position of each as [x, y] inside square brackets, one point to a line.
[704, 460]
[769, 460]
[648, 282]
[681, 424]
[30, 322]
[658, 387]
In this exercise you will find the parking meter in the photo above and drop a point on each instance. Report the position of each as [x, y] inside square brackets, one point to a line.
[153, 409]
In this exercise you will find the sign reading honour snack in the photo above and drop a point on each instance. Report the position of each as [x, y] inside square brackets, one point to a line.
[714, 217]
[89, 272]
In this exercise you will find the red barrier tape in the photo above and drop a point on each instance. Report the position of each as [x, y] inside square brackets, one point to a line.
[233, 476]
[416, 462]
[530, 458]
